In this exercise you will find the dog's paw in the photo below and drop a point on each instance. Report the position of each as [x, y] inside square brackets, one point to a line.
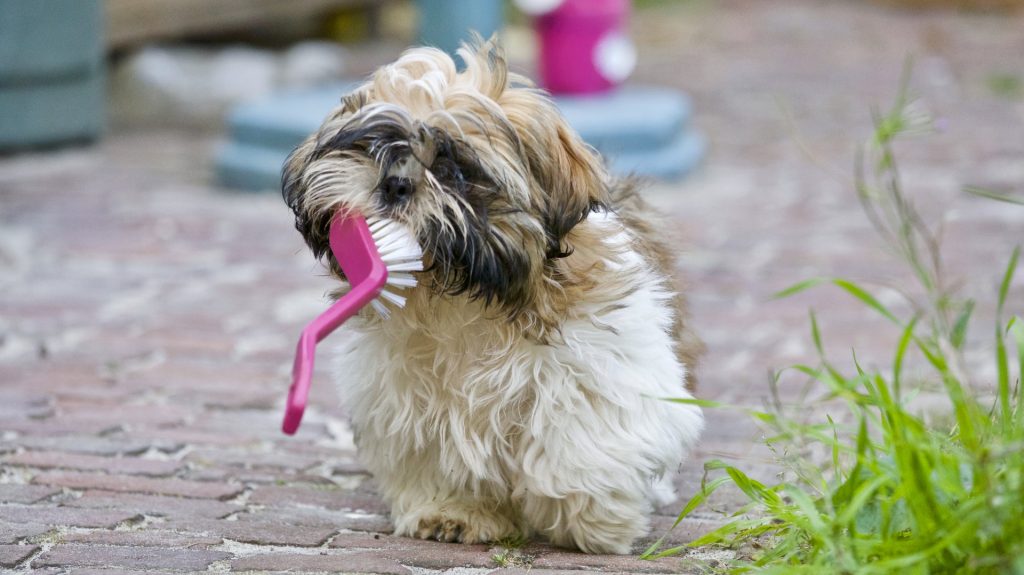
[457, 523]
[441, 529]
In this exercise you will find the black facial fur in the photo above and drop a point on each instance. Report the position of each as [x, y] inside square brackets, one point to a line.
[395, 191]
[311, 226]
[383, 139]
[476, 260]
[473, 260]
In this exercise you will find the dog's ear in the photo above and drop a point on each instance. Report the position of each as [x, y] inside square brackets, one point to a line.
[310, 219]
[574, 177]
[294, 191]
[569, 176]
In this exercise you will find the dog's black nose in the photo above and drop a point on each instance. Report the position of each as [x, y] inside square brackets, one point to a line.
[395, 190]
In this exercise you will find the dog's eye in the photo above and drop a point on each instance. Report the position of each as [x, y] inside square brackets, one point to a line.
[448, 172]
[443, 169]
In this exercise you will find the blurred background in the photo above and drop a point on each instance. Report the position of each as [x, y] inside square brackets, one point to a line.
[152, 285]
[257, 75]
[155, 128]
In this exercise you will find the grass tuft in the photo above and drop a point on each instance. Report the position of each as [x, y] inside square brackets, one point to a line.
[875, 486]
[509, 552]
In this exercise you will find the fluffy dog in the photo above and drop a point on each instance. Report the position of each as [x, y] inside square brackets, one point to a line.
[518, 390]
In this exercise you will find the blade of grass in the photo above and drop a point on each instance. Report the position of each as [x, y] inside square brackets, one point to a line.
[865, 297]
[848, 286]
[1016, 328]
[1002, 360]
[901, 351]
[694, 401]
[1004, 286]
[959, 333]
[798, 287]
[992, 195]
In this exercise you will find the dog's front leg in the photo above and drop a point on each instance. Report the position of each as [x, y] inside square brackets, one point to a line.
[593, 518]
[591, 466]
[424, 504]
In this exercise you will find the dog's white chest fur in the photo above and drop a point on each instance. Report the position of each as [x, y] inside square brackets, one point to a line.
[476, 431]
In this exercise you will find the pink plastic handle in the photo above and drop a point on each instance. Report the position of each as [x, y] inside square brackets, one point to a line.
[353, 247]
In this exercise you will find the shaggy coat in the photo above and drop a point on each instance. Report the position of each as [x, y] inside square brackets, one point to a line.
[517, 392]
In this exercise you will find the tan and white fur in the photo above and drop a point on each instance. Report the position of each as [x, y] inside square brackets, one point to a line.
[518, 391]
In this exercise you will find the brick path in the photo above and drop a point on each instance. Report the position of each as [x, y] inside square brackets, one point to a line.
[147, 319]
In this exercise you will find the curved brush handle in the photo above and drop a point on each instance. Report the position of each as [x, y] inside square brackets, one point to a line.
[302, 377]
[357, 256]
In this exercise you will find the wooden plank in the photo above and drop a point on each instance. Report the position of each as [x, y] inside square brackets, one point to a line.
[131, 22]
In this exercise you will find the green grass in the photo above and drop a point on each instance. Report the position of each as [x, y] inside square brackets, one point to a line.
[876, 485]
[1008, 86]
[998, 196]
[510, 554]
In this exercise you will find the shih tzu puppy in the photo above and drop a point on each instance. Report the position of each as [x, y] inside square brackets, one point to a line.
[518, 391]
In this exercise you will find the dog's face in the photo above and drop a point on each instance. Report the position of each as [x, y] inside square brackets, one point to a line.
[478, 164]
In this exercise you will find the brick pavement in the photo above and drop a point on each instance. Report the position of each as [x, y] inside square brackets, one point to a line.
[147, 318]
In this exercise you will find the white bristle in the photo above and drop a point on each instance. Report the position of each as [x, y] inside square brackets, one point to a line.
[393, 298]
[381, 309]
[401, 254]
[402, 280]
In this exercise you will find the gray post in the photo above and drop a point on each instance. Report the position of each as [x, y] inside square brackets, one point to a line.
[51, 72]
[446, 23]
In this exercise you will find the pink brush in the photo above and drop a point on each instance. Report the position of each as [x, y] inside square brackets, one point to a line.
[371, 255]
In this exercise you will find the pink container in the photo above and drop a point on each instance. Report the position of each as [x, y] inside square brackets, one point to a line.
[584, 46]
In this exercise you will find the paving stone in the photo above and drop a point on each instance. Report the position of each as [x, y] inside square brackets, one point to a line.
[370, 540]
[65, 516]
[251, 420]
[126, 465]
[133, 414]
[532, 571]
[321, 452]
[14, 532]
[95, 445]
[327, 498]
[251, 459]
[215, 474]
[348, 563]
[200, 375]
[133, 484]
[146, 538]
[260, 532]
[12, 555]
[349, 468]
[687, 530]
[20, 493]
[444, 556]
[16, 404]
[229, 399]
[203, 438]
[177, 342]
[353, 521]
[158, 505]
[57, 375]
[129, 557]
[91, 571]
[256, 477]
[552, 558]
[57, 426]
